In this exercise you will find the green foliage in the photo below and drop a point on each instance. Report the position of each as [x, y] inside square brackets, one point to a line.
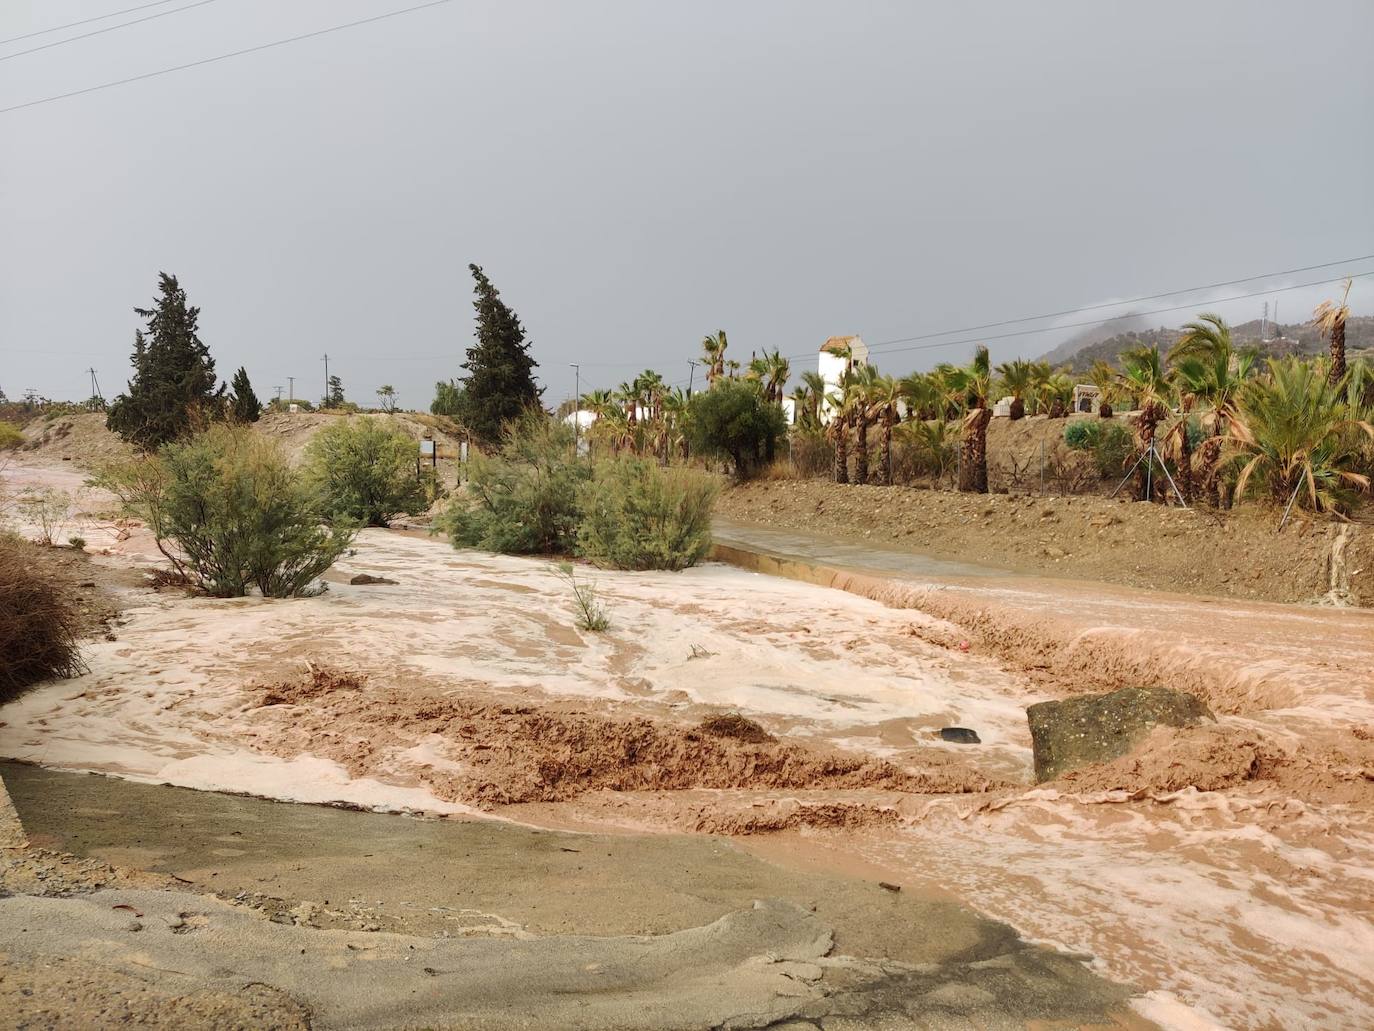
[500, 381]
[229, 513]
[448, 399]
[245, 406]
[637, 514]
[933, 446]
[334, 398]
[10, 436]
[591, 614]
[1294, 431]
[76, 543]
[1110, 442]
[523, 499]
[365, 471]
[733, 420]
[173, 388]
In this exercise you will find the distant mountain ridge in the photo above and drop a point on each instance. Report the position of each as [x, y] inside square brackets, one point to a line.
[1081, 350]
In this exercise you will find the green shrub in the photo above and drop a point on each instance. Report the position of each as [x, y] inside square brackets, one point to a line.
[365, 471]
[734, 421]
[811, 451]
[10, 436]
[1082, 435]
[1110, 443]
[76, 543]
[591, 614]
[229, 513]
[639, 515]
[522, 500]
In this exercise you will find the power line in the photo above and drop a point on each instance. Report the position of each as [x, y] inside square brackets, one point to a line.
[84, 21]
[108, 28]
[1130, 300]
[224, 57]
[1098, 322]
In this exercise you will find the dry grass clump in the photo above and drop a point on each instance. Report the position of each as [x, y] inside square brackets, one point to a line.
[314, 681]
[735, 727]
[40, 619]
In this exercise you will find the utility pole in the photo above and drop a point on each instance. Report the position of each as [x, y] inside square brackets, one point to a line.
[691, 376]
[278, 390]
[95, 386]
[291, 394]
[577, 403]
[326, 378]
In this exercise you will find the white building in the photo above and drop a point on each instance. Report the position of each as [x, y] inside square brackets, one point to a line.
[837, 356]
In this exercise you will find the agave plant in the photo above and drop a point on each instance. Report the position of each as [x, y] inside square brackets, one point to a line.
[1295, 434]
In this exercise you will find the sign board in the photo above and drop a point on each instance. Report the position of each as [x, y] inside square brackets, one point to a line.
[427, 448]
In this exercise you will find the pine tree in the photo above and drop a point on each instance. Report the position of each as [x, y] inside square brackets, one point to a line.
[173, 388]
[246, 406]
[500, 381]
[335, 397]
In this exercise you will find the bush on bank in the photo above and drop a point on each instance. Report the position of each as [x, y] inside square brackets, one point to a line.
[229, 513]
[535, 497]
[365, 472]
[523, 499]
[40, 619]
[636, 514]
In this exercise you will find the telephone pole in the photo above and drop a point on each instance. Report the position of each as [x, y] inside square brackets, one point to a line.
[291, 394]
[326, 378]
[577, 404]
[278, 390]
[95, 386]
[691, 376]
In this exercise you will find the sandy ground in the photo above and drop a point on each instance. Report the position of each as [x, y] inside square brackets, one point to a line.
[1236, 554]
[477, 695]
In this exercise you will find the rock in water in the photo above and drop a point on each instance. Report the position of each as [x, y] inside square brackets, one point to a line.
[1099, 728]
[367, 578]
[960, 735]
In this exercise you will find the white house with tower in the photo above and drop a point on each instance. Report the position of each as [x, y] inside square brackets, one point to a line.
[837, 356]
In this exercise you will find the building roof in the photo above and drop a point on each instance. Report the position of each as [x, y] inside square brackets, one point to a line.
[838, 345]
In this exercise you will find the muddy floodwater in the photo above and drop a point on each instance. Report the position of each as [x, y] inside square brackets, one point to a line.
[476, 698]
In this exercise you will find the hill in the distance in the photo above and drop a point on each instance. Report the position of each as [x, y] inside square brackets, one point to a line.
[1080, 351]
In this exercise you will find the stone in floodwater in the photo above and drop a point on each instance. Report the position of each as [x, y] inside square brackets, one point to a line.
[367, 578]
[960, 736]
[1098, 728]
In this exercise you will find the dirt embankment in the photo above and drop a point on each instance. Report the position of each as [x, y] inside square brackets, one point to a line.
[1236, 554]
[84, 440]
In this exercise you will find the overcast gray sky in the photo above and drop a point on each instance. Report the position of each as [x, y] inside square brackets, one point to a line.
[636, 175]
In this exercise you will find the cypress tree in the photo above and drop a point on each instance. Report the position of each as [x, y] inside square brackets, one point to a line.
[246, 406]
[500, 381]
[173, 387]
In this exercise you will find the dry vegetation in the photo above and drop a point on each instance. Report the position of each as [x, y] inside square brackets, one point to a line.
[41, 618]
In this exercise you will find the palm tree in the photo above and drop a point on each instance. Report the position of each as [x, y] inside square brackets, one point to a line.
[1330, 321]
[1294, 431]
[924, 396]
[1209, 335]
[674, 409]
[884, 396]
[841, 407]
[1040, 373]
[973, 384]
[1104, 378]
[863, 385]
[713, 351]
[1145, 378]
[1016, 379]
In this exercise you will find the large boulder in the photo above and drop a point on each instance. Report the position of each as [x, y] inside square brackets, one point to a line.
[1099, 728]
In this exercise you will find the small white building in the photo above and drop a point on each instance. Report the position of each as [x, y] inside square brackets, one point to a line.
[837, 356]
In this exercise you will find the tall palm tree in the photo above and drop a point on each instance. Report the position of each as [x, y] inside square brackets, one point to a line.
[1016, 380]
[1206, 337]
[884, 398]
[1040, 374]
[816, 387]
[863, 387]
[674, 432]
[713, 351]
[973, 384]
[1330, 320]
[838, 429]
[1145, 378]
